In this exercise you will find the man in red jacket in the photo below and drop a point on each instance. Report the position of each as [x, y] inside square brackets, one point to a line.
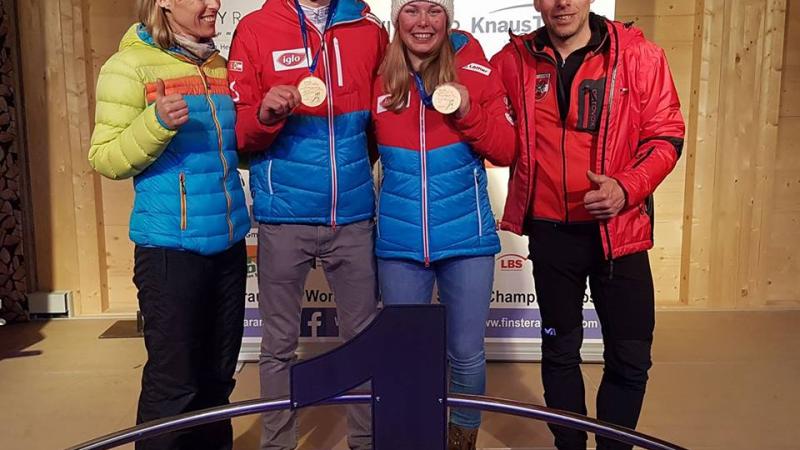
[599, 128]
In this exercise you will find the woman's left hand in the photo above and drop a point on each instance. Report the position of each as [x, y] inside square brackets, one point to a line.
[463, 110]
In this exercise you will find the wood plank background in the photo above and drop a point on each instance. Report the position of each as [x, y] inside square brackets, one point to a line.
[782, 265]
[728, 218]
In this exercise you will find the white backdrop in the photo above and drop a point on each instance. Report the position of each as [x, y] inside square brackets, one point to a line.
[513, 329]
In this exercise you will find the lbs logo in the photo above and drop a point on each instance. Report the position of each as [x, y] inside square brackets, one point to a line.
[511, 262]
[289, 59]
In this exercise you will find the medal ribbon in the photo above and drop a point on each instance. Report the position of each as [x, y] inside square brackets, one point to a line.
[301, 15]
[427, 100]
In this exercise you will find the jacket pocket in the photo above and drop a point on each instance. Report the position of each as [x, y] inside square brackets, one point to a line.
[339, 70]
[478, 201]
[591, 94]
[643, 157]
[269, 177]
[182, 179]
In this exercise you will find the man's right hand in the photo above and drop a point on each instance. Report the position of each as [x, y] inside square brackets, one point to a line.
[278, 104]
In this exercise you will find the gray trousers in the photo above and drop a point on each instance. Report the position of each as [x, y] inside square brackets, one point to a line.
[286, 253]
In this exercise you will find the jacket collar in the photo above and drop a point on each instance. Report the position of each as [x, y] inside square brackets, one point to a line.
[458, 40]
[598, 41]
[175, 50]
[620, 36]
[347, 11]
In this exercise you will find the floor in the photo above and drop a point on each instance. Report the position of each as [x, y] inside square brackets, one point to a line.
[721, 380]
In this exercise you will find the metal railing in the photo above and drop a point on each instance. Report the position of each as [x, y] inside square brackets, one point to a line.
[552, 416]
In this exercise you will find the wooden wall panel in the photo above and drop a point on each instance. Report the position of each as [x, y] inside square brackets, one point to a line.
[117, 204]
[109, 20]
[700, 155]
[734, 166]
[63, 189]
[86, 194]
[119, 260]
[671, 25]
[783, 250]
[44, 92]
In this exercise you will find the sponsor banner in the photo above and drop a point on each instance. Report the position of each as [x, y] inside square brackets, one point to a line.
[506, 323]
[526, 323]
[514, 313]
[314, 323]
[490, 22]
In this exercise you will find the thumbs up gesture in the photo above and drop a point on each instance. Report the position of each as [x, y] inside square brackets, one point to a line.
[607, 200]
[171, 109]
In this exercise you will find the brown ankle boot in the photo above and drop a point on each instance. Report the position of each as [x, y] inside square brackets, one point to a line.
[459, 438]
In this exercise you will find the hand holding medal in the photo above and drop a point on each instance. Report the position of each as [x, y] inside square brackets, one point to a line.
[278, 104]
[281, 101]
[451, 98]
[447, 99]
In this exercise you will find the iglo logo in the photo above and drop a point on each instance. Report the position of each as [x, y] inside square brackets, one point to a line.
[289, 59]
[292, 59]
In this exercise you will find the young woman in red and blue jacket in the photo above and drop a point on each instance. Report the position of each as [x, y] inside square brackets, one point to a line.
[435, 222]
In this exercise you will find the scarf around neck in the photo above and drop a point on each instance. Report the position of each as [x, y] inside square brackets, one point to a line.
[197, 51]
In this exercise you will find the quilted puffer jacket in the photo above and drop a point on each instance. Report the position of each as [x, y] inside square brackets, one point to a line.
[631, 116]
[188, 195]
[313, 167]
[434, 202]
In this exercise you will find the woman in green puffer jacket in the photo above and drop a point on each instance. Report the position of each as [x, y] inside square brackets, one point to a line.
[165, 118]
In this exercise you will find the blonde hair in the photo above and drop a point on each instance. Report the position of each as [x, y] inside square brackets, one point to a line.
[155, 20]
[437, 69]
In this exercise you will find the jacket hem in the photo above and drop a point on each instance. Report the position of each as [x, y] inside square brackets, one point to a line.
[418, 257]
[326, 220]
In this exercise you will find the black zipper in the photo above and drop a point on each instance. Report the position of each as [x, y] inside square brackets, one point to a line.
[564, 168]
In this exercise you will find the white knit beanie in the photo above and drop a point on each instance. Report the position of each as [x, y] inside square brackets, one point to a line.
[397, 5]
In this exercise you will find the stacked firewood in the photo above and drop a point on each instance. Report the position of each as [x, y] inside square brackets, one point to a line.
[12, 267]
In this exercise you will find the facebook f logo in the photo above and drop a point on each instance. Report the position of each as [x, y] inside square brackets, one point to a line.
[319, 323]
[315, 322]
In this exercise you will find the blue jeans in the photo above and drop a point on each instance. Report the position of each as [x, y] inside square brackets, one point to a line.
[465, 288]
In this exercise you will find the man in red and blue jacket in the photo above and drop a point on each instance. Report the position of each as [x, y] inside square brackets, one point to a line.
[310, 175]
[599, 128]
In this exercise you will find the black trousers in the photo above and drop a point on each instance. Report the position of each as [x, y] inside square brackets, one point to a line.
[193, 308]
[564, 256]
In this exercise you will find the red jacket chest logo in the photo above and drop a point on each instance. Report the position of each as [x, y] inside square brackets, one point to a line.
[289, 59]
[542, 86]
